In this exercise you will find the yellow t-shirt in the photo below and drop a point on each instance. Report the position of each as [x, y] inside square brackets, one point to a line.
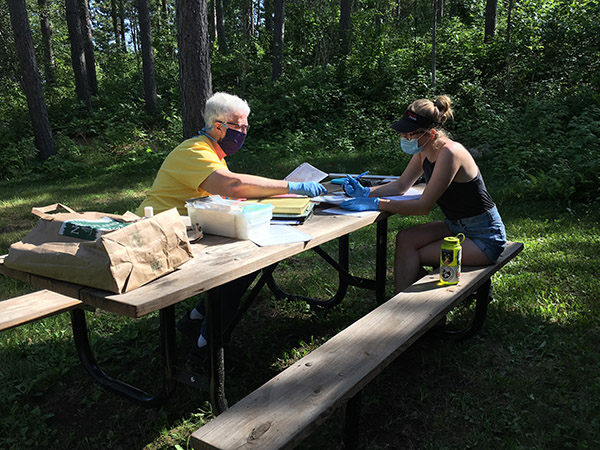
[181, 174]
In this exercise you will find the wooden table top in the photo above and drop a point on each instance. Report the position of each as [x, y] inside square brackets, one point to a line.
[217, 260]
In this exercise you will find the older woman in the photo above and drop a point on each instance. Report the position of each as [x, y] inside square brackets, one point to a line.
[197, 168]
[454, 182]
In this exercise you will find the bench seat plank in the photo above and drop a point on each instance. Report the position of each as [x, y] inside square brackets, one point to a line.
[283, 411]
[29, 307]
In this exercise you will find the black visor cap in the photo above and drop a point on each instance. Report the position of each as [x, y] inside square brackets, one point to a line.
[410, 122]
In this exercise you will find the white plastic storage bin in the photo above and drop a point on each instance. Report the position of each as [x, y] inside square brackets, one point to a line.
[237, 223]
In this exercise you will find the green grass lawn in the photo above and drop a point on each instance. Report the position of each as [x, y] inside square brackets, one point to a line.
[529, 380]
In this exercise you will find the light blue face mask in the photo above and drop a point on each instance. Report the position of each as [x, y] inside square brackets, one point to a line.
[411, 146]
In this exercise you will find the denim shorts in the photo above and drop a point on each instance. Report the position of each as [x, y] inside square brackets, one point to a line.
[486, 230]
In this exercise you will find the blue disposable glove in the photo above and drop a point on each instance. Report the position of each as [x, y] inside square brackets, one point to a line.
[353, 188]
[310, 188]
[361, 204]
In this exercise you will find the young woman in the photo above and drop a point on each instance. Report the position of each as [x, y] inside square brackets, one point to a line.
[454, 182]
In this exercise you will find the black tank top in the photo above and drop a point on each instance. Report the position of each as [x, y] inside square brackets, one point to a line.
[462, 200]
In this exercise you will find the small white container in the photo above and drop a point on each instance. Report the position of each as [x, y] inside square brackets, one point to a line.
[239, 224]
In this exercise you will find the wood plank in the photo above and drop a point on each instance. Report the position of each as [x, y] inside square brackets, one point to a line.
[283, 411]
[29, 307]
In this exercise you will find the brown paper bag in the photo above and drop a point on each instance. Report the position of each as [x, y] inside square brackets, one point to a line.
[106, 251]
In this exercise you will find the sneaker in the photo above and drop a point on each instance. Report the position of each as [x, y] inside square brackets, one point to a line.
[188, 326]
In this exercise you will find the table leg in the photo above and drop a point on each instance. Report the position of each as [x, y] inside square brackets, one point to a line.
[216, 351]
[351, 430]
[167, 345]
[381, 261]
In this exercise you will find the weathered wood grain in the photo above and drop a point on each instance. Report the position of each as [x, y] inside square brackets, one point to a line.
[282, 412]
[37, 305]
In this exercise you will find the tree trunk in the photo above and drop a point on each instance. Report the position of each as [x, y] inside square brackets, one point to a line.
[115, 22]
[249, 17]
[31, 82]
[222, 40]
[77, 55]
[147, 57]
[491, 11]
[133, 32]
[268, 7]
[46, 28]
[122, 26]
[88, 47]
[508, 77]
[212, 20]
[278, 38]
[194, 63]
[345, 12]
[434, 43]
[509, 22]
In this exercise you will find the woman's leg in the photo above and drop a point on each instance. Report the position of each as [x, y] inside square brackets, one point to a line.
[416, 247]
[472, 255]
[420, 246]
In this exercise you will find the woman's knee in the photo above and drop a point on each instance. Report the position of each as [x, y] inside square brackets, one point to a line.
[404, 241]
[419, 236]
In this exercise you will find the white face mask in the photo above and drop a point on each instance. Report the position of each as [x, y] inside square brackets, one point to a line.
[411, 146]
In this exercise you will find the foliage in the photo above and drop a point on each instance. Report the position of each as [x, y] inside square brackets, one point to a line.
[342, 104]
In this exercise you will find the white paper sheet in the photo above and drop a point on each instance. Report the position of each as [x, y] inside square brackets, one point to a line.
[306, 172]
[332, 199]
[279, 234]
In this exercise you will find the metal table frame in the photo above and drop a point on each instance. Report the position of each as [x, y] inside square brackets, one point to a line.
[215, 382]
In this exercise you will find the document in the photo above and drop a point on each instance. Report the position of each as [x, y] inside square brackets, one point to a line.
[306, 172]
[279, 234]
[333, 199]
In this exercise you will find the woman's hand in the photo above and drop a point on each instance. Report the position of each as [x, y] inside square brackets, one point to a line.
[310, 188]
[361, 204]
[353, 188]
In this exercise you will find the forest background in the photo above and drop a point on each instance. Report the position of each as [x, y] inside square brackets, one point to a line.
[324, 81]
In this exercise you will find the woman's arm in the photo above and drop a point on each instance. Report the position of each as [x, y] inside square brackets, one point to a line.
[446, 167]
[411, 174]
[238, 185]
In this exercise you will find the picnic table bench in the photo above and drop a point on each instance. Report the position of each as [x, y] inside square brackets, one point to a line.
[286, 409]
[34, 306]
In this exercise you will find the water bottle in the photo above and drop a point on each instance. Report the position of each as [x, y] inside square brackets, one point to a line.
[450, 257]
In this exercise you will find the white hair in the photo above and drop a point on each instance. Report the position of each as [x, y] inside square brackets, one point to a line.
[221, 106]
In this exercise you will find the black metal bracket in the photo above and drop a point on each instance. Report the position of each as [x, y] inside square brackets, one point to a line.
[170, 373]
[167, 346]
[483, 297]
[342, 266]
[215, 382]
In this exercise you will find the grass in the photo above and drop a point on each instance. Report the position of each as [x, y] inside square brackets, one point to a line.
[529, 380]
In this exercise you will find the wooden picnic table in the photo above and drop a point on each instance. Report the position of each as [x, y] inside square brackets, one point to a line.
[217, 260]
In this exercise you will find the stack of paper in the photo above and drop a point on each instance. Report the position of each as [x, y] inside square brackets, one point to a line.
[286, 205]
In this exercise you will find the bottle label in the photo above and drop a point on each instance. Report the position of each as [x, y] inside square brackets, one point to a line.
[450, 265]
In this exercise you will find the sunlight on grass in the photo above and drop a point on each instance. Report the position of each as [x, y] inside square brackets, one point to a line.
[529, 377]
